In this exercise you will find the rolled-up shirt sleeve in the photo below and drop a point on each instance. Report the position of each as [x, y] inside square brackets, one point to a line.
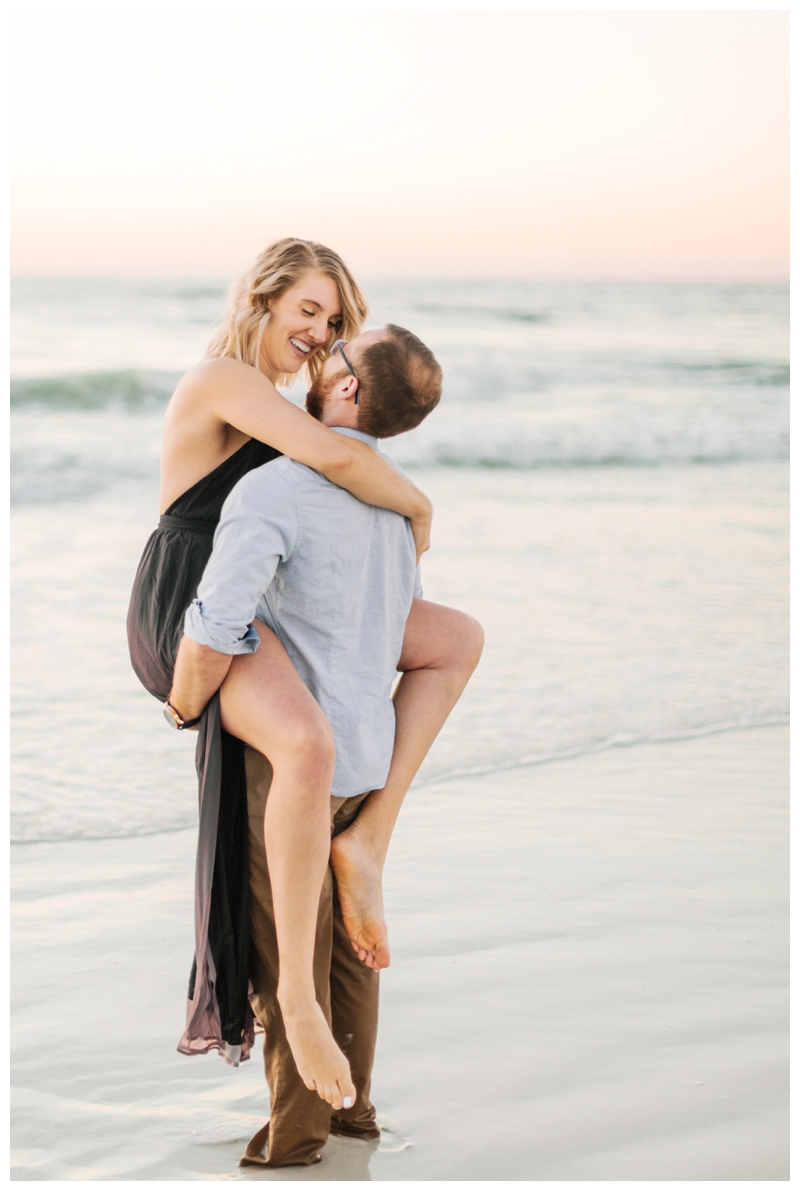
[257, 530]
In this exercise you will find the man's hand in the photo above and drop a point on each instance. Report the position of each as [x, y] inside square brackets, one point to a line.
[199, 671]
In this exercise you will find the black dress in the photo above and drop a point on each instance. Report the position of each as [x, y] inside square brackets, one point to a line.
[218, 1015]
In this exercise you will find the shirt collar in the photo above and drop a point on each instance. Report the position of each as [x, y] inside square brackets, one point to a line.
[370, 439]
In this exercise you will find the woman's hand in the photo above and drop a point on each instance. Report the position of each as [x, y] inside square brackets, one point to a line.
[421, 526]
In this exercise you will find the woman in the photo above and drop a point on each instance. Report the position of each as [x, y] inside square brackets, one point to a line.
[283, 315]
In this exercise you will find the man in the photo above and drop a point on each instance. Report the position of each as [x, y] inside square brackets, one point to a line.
[340, 578]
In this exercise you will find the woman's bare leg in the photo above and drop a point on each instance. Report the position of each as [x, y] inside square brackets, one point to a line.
[441, 648]
[264, 703]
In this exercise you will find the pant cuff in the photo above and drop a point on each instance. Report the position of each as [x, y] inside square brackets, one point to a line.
[368, 1131]
[256, 1152]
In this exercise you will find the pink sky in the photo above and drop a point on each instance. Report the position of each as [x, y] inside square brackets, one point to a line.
[527, 143]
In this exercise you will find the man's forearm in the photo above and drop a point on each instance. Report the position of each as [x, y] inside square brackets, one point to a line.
[199, 671]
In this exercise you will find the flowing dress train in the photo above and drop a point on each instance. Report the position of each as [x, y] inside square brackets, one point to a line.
[218, 1016]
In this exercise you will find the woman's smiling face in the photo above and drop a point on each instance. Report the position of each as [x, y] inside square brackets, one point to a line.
[301, 322]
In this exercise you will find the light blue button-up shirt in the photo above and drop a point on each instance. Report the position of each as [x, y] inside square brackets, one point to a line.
[334, 579]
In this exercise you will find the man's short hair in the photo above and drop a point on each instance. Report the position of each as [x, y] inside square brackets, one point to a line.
[400, 383]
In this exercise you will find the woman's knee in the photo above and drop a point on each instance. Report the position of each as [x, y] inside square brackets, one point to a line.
[462, 644]
[441, 638]
[474, 638]
[306, 741]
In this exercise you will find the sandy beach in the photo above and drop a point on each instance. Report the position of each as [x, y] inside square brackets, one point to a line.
[588, 982]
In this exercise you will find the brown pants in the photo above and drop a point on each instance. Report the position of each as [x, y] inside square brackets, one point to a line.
[347, 990]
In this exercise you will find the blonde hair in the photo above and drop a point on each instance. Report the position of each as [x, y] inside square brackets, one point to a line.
[278, 268]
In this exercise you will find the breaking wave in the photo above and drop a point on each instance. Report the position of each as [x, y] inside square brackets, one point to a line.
[129, 390]
[76, 435]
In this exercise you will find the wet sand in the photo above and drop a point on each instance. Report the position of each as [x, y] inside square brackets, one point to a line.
[589, 981]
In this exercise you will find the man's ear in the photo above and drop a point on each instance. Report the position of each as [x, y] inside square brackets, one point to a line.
[347, 390]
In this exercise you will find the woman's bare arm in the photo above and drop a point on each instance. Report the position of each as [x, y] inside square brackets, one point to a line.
[237, 395]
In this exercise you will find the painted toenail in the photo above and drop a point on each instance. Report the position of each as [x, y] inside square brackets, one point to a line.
[348, 1102]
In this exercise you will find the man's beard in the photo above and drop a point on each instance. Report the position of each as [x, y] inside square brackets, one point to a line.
[318, 392]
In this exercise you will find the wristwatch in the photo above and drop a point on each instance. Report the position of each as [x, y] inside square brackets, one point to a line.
[174, 720]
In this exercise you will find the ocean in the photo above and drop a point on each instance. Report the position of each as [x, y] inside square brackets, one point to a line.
[609, 474]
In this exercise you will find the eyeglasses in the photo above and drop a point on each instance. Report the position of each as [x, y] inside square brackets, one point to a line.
[339, 347]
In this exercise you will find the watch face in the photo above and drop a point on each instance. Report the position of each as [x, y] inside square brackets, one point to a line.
[170, 716]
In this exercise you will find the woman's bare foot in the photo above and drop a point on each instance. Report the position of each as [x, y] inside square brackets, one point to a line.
[321, 1065]
[359, 877]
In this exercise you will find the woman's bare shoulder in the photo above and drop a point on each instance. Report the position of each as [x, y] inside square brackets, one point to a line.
[215, 370]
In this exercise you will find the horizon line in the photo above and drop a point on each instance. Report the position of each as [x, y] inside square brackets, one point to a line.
[441, 278]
